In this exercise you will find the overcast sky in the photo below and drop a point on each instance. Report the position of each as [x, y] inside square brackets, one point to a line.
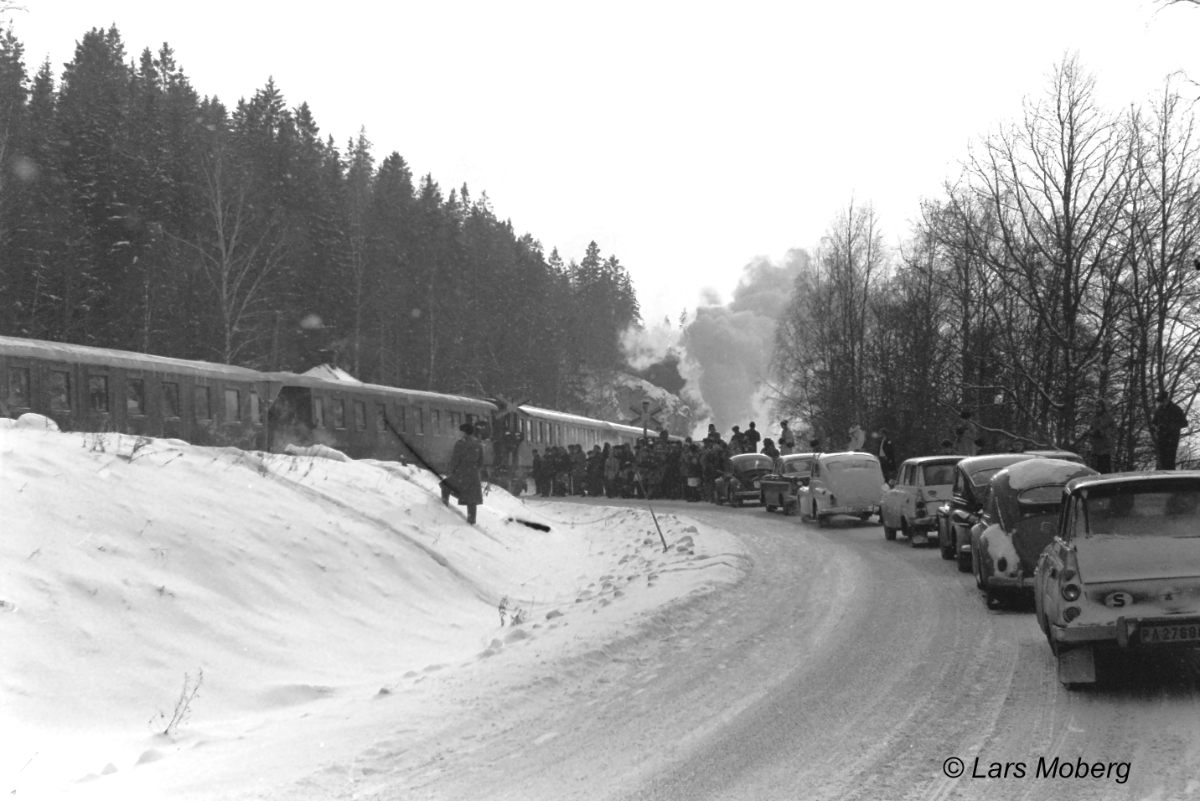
[685, 138]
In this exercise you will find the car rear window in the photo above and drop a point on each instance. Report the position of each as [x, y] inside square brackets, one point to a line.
[938, 473]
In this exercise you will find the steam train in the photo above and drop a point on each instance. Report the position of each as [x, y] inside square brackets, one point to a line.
[84, 388]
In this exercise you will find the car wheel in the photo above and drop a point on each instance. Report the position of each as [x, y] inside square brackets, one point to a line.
[947, 548]
[964, 562]
[889, 533]
[789, 508]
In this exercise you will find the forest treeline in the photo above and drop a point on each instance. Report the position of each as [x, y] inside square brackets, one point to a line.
[1058, 270]
[136, 213]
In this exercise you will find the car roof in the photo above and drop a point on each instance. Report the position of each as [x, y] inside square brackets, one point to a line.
[748, 457]
[945, 458]
[971, 464]
[1134, 478]
[847, 455]
[1040, 473]
[791, 457]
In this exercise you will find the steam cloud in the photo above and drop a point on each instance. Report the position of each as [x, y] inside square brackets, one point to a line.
[725, 350]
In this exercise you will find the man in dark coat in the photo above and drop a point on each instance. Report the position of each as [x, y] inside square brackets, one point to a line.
[1166, 423]
[466, 460]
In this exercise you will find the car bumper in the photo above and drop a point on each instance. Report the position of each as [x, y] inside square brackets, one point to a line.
[1010, 582]
[1127, 632]
[861, 509]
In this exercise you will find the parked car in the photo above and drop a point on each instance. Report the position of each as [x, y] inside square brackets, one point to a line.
[971, 483]
[1123, 570]
[741, 481]
[781, 487]
[846, 483]
[1017, 525]
[909, 505]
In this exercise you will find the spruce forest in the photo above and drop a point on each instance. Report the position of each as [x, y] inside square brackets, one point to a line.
[138, 213]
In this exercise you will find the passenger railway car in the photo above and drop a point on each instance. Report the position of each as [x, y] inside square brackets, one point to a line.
[85, 388]
[97, 389]
[371, 421]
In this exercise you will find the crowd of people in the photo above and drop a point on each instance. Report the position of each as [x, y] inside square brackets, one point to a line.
[667, 468]
[652, 468]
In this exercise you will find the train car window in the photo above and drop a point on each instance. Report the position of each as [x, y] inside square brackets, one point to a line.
[202, 407]
[360, 416]
[403, 412]
[435, 417]
[60, 391]
[419, 419]
[233, 405]
[18, 388]
[318, 410]
[255, 408]
[135, 396]
[98, 393]
[339, 413]
[170, 399]
[380, 416]
[455, 420]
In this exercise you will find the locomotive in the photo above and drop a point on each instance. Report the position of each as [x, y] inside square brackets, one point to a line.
[85, 388]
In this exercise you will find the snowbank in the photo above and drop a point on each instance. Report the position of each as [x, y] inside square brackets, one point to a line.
[305, 600]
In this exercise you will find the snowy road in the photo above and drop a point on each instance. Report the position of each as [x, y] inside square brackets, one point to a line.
[843, 666]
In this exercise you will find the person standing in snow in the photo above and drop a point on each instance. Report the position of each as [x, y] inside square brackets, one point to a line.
[463, 481]
[1166, 422]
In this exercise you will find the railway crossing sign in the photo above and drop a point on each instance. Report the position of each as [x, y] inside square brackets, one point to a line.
[645, 418]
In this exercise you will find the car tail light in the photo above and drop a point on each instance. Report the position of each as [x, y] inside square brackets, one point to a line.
[1002, 566]
[1070, 613]
[833, 500]
[1071, 591]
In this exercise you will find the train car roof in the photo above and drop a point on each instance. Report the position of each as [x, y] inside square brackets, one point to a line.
[110, 357]
[565, 417]
[325, 379]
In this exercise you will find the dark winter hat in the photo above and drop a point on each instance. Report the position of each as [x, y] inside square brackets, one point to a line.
[467, 428]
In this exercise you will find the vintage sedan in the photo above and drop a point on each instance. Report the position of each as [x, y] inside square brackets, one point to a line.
[971, 483]
[1123, 570]
[1018, 523]
[741, 480]
[846, 483]
[781, 488]
[909, 504]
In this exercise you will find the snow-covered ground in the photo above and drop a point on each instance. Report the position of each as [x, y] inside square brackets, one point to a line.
[309, 602]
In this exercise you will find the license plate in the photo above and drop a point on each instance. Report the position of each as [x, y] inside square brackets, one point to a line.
[1180, 632]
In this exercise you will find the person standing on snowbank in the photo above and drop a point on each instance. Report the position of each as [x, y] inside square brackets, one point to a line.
[463, 481]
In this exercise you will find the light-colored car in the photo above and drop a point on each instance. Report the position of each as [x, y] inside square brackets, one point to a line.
[1018, 523]
[1123, 570]
[781, 488]
[909, 504]
[845, 483]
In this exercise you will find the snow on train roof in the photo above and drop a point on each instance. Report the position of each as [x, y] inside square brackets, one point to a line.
[325, 375]
[577, 419]
[88, 354]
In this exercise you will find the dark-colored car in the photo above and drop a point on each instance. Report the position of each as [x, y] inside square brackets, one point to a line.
[972, 477]
[742, 478]
[1018, 523]
[781, 487]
